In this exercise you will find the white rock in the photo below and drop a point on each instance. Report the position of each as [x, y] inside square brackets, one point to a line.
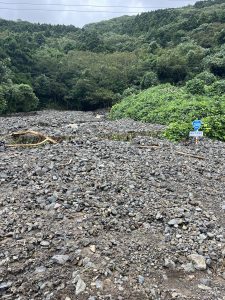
[198, 261]
[73, 126]
[99, 116]
[44, 243]
[93, 248]
[204, 287]
[57, 205]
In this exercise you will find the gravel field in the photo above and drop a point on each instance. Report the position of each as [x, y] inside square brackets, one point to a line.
[110, 212]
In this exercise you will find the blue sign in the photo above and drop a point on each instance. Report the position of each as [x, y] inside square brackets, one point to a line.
[197, 124]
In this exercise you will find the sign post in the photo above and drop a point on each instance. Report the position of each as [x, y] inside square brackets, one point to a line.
[196, 133]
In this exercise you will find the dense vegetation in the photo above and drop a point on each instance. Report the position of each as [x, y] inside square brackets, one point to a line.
[177, 107]
[46, 66]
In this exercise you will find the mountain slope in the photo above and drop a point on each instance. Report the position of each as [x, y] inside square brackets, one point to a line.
[71, 68]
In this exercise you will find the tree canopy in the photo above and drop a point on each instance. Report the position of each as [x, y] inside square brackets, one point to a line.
[71, 68]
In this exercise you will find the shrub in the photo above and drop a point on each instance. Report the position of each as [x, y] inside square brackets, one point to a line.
[195, 86]
[177, 131]
[218, 88]
[207, 77]
[215, 127]
[173, 106]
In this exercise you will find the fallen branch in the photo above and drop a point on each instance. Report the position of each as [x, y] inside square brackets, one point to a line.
[66, 164]
[148, 147]
[31, 132]
[27, 145]
[190, 155]
[178, 152]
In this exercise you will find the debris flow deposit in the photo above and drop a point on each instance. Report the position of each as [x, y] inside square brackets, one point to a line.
[93, 209]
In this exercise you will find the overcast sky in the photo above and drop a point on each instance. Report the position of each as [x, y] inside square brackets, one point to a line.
[66, 10]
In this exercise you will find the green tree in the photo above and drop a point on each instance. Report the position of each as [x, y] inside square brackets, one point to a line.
[2, 101]
[216, 62]
[153, 47]
[171, 66]
[90, 40]
[42, 88]
[86, 95]
[20, 98]
[221, 37]
[149, 79]
[5, 73]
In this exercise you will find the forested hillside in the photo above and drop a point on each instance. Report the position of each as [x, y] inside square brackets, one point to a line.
[46, 66]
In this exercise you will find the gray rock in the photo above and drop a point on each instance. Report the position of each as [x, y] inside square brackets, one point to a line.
[41, 269]
[5, 285]
[206, 281]
[169, 263]
[52, 199]
[141, 279]
[99, 284]
[39, 172]
[80, 287]
[61, 259]
[175, 222]
[188, 268]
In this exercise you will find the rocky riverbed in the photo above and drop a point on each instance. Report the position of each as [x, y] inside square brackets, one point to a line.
[110, 212]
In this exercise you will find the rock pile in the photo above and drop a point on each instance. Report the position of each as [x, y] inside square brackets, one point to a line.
[95, 217]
